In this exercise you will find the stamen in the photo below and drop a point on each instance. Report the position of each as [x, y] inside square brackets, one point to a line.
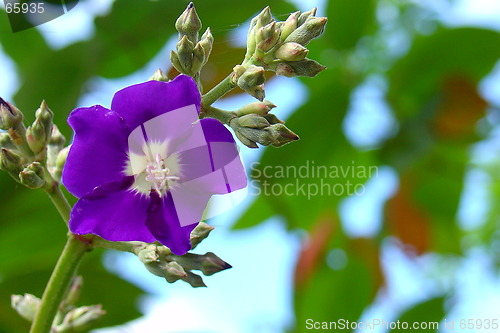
[159, 175]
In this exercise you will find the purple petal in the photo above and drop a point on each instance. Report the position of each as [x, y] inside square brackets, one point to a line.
[98, 154]
[113, 212]
[163, 223]
[142, 102]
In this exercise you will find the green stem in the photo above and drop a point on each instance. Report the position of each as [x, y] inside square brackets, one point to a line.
[58, 284]
[217, 92]
[62, 205]
[221, 115]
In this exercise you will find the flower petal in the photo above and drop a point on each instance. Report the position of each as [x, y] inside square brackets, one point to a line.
[142, 102]
[113, 212]
[163, 223]
[98, 154]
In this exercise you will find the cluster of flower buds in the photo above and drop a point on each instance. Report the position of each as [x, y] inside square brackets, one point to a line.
[254, 124]
[192, 53]
[69, 317]
[279, 47]
[24, 152]
[161, 262]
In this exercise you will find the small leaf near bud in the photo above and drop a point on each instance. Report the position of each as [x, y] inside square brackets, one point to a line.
[291, 52]
[194, 280]
[199, 233]
[272, 119]
[185, 54]
[174, 59]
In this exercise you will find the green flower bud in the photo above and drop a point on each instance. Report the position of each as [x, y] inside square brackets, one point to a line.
[60, 162]
[267, 37]
[211, 264]
[185, 53]
[26, 306]
[74, 291]
[257, 92]
[174, 271]
[10, 162]
[148, 255]
[260, 108]
[252, 77]
[189, 24]
[10, 116]
[199, 233]
[32, 176]
[198, 58]
[80, 319]
[290, 25]
[46, 118]
[56, 138]
[281, 135]
[6, 141]
[291, 52]
[312, 28]
[305, 15]
[174, 59]
[265, 17]
[36, 136]
[253, 121]
[306, 67]
[207, 42]
[159, 76]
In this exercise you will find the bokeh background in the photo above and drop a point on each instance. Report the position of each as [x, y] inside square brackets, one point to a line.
[412, 89]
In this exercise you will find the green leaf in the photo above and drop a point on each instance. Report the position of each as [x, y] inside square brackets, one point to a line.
[429, 312]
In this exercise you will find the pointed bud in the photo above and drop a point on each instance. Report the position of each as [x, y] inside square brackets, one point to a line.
[158, 75]
[290, 25]
[198, 58]
[32, 176]
[185, 53]
[260, 108]
[10, 116]
[10, 162]
[281, 135]
[36, 136]
[26, 305]
[56, 138]
[79, 319]
[257, 92]
[194, 280]
[312, 28]
[189, 24]
[305, 15]
[174, 59]
[306, 67]
[252, 77]
[174, 272]
[267, 37]
[246, 141]
[207, 42]
[265, 17]
[212, 264]
[272, 119]
[291, 52]
[46, 118]
[199, 233]
[148, 255]
[253, 121]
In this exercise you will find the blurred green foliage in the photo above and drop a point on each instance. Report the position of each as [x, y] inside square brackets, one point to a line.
[432, 92]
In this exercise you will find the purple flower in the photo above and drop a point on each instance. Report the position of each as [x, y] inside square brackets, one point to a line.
[145, 170]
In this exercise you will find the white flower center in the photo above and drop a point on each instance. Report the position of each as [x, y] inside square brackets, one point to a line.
[159, 175]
